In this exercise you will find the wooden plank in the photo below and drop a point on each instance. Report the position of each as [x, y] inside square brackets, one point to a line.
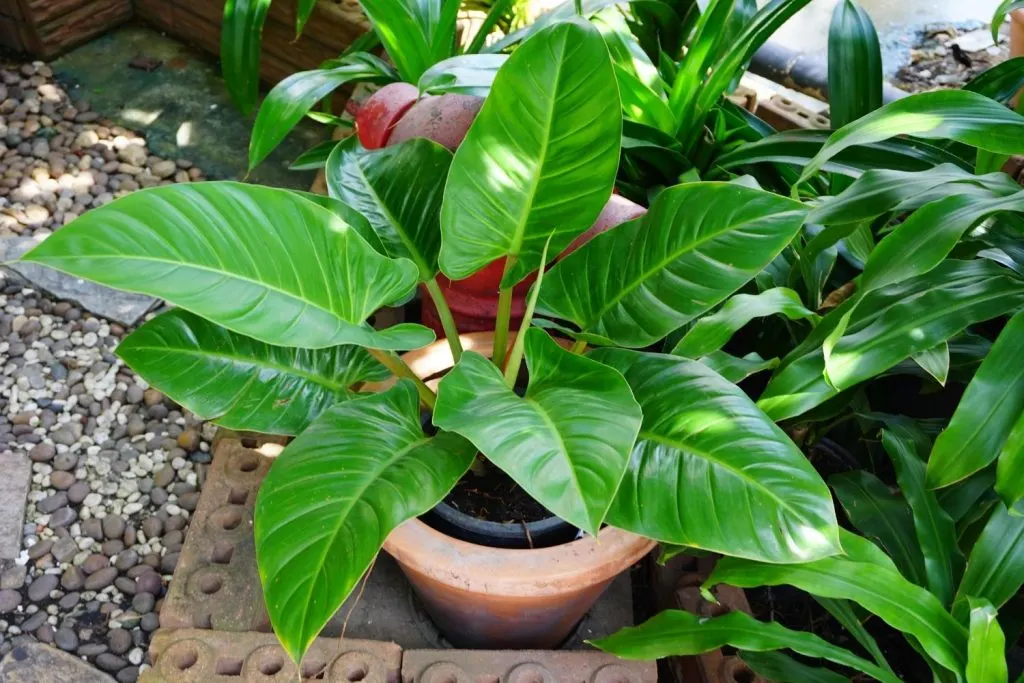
[44, 11]
[82, 24]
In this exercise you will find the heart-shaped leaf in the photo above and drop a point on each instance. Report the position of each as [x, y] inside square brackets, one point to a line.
[333, 496]
[541, 156]
[709, 468]
[698, 244]
[566, 442]
[242, 383]
[263, 262]
[398, 189]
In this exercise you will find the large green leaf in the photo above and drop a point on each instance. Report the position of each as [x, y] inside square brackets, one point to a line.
[674, 632]
[541, 156]
[710, 31]
[1010, 470]
[999, 16]
[736, 368]
[1000, 82]
[958, 115]
[986, 645]
[960, 499]
[463, 74]
[241, 32]
[242, 383]
[780, 668]
[880, 515]
[935, 530]
[888, 326]
[711, 332]
[711, 471]
[844, 612]
[926, 238]
[334, 495]
[883, 592]
[566, 442]
[289, 101]
[798, 147]
[995, 566]
[398, 189]
[259, 261]
[854, 64]
[416, 33]
[987, 413]
[880, 191]
[698, 244]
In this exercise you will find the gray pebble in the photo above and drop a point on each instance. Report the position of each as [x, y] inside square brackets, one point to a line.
[43, 452]
[150, 582]
[69, 601]
[128, 674]
[9, 600]
[143, 603]
[65, 461]
[150, 622]
[119, 640]
[91, 649]
[40, 549]
[39, 589]
[44, 634]
[34, 621]
[112, 547]
[72, 579]
[93, 528]
[168, 562]
[163, 476]
[61, 480]
[64, 549]
[101, 579]
[78, 491]
[62, 517]
[110, 662]
[125, 585]
[51, 503]
[113, 526]
[126, 560]
[94, 563]
[65, 639]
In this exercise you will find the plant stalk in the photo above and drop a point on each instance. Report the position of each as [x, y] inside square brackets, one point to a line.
[398, 368]
[579, 7]
[579, 347]
[514, 360]
[504, 315]
[451, 332]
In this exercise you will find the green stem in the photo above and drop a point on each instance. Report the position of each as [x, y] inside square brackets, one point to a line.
[504, 315]
[451, 332]
[579, 7]
[578, 347]
[514, 361]
[398, 368]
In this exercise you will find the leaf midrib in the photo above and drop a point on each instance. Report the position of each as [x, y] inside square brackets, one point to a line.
[244, 360]
[674, 255]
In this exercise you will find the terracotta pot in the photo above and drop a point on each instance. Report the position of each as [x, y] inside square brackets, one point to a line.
[499, 598]
[445, 119]
[378, 115]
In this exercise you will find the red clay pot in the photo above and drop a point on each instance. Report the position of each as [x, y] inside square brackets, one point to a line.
[497, 598]
[445, 119]
[381, 111]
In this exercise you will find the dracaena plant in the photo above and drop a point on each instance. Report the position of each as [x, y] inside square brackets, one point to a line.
[274, 290]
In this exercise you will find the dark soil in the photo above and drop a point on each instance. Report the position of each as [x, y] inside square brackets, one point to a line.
[488, 493]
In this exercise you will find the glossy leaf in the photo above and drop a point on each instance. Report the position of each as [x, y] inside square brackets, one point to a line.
[303, 11]
[416, 33]
[881, 191]
[987, 413]
[736, 369]
[844, 612]
[959, 499]
[468, 74]
[995, 565]
[883, 592]
[935, 361]
[935, 530]
[712, 332]
[1010, 470]
[775, 666]
[698, 244]
[710, 471]
[315, 157]
[540, 159]
[854, 64]
[999, 16]
[888, 326]
[333, 496]
[242, 28]
[957, 115]
[262, 262]
[642, 104]
[398, 189]
[674, 632]
[711, 29]
[566, 442]
[922, 241]
[242, 383]
[1000, 82]
[986, 645]
[882, 516]
[289, 101]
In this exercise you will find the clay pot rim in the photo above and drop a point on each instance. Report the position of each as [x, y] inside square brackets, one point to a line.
[504, 571]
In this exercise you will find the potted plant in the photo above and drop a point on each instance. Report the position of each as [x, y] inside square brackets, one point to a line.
[274, 290]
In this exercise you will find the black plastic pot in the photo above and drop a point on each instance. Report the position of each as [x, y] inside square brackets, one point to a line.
[541, 534]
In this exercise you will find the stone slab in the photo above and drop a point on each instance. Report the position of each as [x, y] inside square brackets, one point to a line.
[200, 656]
[36, 663]
[216, 584]
[522, 666]
[14, 484]
[122, 307]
